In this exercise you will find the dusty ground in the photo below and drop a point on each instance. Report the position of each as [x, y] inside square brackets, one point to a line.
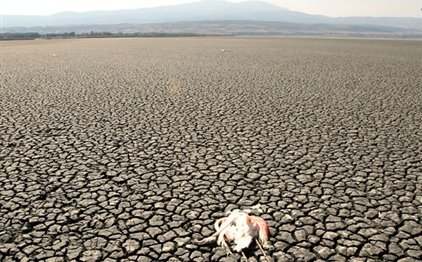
[126, 149]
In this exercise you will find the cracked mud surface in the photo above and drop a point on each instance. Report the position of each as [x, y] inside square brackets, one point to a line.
[126, 149]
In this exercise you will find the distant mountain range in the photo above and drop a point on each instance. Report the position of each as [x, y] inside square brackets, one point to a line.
[204, 11]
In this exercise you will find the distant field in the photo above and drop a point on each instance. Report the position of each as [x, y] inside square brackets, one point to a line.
[129, 148]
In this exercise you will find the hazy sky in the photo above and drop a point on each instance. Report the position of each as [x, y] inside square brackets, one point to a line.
[325, 7]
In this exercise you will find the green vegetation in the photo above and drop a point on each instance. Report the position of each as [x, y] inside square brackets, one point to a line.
[19, 36]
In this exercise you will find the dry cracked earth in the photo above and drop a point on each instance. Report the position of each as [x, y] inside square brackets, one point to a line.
[127, 149]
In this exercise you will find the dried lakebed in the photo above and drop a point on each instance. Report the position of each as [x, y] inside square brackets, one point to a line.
[126, 149]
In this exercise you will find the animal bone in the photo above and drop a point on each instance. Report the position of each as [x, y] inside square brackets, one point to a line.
[241, 229]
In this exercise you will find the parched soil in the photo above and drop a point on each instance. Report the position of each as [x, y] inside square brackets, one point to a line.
[127, 149]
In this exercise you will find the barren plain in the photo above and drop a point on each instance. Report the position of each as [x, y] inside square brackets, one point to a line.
[127, 149]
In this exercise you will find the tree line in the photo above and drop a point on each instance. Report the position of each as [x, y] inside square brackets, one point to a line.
[92, 34]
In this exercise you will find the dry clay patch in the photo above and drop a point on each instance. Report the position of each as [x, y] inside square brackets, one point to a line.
[126, 149]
